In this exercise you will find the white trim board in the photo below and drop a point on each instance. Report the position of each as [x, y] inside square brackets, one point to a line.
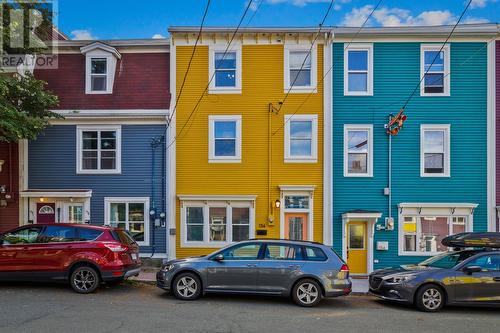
[491, 141]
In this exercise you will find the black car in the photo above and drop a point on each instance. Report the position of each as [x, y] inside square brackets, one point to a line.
[470, 276]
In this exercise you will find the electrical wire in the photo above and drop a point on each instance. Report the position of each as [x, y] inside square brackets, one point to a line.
[212, 76]
[437, 54]
[308, 54]
[330, 69]
[189, 65]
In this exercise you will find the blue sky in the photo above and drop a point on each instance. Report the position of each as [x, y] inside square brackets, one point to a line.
[109, 19]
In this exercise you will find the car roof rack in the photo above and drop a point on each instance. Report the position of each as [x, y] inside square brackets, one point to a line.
[483, 240]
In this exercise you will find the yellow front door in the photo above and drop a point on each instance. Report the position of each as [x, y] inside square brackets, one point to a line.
[357, 253]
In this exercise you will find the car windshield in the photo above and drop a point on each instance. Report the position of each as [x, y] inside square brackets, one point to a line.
[447, 260]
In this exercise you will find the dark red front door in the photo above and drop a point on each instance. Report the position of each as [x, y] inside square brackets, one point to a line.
[45, 212]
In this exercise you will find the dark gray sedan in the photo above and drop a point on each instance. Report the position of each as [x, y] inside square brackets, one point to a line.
[306, 271]
[462, 277]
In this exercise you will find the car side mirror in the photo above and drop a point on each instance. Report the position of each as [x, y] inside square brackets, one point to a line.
[472, 269]
[218, 257]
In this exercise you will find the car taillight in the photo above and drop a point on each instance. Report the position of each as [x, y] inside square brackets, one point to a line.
[115, 247]
[344, 268]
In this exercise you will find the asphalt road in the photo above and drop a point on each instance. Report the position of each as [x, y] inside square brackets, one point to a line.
[143, 308]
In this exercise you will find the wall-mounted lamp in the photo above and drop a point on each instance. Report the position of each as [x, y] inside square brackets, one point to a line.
[277, 203]
[2, 162]
[42, 199]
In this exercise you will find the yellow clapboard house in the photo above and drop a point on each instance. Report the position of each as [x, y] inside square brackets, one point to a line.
[247, 145]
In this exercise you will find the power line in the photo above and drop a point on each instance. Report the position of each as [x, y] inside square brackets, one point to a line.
[189, 65]
[308, 55]
[212, 76]
[437, 54]
[331, 67]
[255, 12]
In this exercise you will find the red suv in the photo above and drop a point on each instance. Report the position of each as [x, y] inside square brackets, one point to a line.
[84, 255]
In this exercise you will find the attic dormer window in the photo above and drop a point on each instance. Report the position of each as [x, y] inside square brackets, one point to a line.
[98, 74]
[100, 67]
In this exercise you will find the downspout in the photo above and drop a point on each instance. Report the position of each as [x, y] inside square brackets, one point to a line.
[390, 177]
[153, 148]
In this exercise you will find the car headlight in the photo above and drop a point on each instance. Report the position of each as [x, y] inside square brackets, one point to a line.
[167, 267]
[398, 279]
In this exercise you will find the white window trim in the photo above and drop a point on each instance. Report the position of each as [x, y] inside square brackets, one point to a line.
[447, 60]
[211, 66]
[211, 139]
[369, 162]
[369, 87]
[127, 200]
[110, 68]
[447, 149]
[314, 69]
[313, 158]
[79, 148]
[206, 226]
[402, 252]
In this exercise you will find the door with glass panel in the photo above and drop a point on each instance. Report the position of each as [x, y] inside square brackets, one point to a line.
[357, 254]
[296, 226]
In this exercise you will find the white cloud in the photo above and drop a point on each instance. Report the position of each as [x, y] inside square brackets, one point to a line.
[302, 3]
[478, 3]
[395, 17]
[158, 36]
[82, 35]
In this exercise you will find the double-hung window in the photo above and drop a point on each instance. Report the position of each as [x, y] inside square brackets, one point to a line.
[358, 151]
[131, 214]
[301, 138]
[99, 149]
[358, 70]
[98, 74]
[435, 151]
[224, 139]
[216, 223]
[435, 67]
[300, 68]
[225, 69]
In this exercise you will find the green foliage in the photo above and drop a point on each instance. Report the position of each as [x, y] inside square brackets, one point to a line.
[24, 107]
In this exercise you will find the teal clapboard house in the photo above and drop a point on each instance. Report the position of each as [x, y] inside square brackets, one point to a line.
[394, 201]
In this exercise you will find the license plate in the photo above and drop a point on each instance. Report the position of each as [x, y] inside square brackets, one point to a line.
[135, 256]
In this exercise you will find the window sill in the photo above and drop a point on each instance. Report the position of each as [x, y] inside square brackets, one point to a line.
[224, 160]
[354, 175]
[301, 160]
[226, 90]
[424, 175]
[98, 172]
[365, 93]
[445, 94]
[98, 92]
[300, 90]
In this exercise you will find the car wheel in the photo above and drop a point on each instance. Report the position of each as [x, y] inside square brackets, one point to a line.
[85, 280]
[187, 287]
[430, 298]
[306, 293]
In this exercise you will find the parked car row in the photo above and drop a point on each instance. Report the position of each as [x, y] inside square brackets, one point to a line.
[85, 256]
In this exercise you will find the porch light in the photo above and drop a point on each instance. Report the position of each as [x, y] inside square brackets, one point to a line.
[42, 199]
[277, 203]
[1, 164]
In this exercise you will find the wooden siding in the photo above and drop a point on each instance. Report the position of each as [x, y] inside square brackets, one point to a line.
[141, 82]
[497, 138]
[52, 165]
[262, 83]
[396, 73]
[9, 216]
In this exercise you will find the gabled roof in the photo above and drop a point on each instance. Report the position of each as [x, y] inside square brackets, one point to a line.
[100, 46]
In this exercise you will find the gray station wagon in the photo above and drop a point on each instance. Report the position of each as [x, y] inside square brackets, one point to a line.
[306, 271]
